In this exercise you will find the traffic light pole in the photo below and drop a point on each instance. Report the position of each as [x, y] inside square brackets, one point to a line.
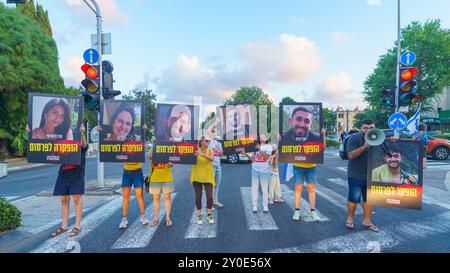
[397, 88]
[97, 12]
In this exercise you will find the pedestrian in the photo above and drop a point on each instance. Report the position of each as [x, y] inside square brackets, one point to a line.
[342, 135]
[422, 136]
[161, 180]
[357, 150]
[306, 173]
[202, 177]
[70, 183]
[261, 172]
[274, 185]
[217, 149]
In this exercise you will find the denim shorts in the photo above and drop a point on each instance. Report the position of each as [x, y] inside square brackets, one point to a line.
[135, 179]
[302, 175]
[356, 189]
[68, 186]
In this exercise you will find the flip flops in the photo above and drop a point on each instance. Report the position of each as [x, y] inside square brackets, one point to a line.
[169, 223]
[372, 227]
[350, 225]
[74, 232]
[58, 231]
[154, 223]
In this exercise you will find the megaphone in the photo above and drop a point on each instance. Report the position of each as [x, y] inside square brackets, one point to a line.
[374, 137]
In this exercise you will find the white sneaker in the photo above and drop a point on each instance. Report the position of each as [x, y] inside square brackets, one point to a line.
[123, 223]
[210, 219]
[315, 216]
[271, 202]
[296, 216]
[255, 208]
[144, 220]
[265, 209]
[199, 220]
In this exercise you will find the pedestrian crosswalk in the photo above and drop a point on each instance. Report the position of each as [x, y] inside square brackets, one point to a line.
[330, 198]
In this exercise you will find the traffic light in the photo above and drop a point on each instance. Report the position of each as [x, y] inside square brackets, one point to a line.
[108, 91]
[91, 86]
[408, 86]
[389, 99]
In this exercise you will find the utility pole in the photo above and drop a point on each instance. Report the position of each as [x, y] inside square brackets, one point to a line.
[397, 88]
[98, 14]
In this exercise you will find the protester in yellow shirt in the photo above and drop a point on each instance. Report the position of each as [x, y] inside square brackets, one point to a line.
[202, 176]
[304, 172]
[161, 180]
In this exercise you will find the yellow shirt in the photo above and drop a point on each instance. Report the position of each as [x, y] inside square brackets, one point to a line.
[131, 166]
[161, 173]
[305, 165]
[203, 171]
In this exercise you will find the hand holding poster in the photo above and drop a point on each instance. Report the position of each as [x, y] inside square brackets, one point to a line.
[54, 122]
[300, 130]
[121, 135]
[176, 131]
[395, 176]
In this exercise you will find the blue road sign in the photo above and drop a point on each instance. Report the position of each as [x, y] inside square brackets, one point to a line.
[408, 58]
[397, 121]
[91, 56]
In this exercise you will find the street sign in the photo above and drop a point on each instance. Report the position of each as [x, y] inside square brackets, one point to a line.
[95, 135]
[91, 56]
[397, 121]
[106, 43]
[408, 58]
[15, 1]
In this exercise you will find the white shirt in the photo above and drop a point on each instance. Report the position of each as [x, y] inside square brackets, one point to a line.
[216, 146]
[261, 165]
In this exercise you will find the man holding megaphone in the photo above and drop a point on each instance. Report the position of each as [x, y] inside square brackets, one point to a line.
[357, 150]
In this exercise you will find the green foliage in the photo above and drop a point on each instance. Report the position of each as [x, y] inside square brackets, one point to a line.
[445, 136]
[287, 100]
[10, 216]
[329, 118]
[332, 143]
[148, 97]
[431, 43]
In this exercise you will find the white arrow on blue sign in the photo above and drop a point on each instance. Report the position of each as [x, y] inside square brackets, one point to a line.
[408, 58]
[91, 56]
[397, 121]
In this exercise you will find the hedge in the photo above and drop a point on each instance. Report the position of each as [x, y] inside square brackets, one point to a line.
[10, 216]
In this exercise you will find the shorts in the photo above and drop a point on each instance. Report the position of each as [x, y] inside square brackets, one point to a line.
[135, 179]
[158, 187]
[69, 187]
[302, 175]
[356, 189]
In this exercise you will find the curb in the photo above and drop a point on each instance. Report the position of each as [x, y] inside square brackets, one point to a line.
[25, 167]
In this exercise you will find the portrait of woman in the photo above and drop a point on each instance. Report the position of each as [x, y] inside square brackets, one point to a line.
[55, 121]
[122, 121]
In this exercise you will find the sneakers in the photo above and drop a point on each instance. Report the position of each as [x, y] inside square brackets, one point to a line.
[296, 216]
[255, 208]
[278, 200]
[123, 223]
[271, 201]
[199, 220]
[265, 209]
[218, 205]
[315, 216]
[210, 219]
[144, 220]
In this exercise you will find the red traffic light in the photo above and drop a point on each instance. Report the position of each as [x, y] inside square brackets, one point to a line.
[90, 71]
[408, 73]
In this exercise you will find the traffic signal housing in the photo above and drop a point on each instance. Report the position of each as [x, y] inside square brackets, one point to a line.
[91, 84]
[388, 99]
[108, 91]
[408, 93]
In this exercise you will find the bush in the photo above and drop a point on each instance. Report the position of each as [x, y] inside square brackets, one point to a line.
[446, 136]
[332, 143]
[10, 216]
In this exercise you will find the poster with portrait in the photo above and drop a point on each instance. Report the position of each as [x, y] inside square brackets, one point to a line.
[177, 133]
[300, 131]
[395, 174]
[239, 128]
[122, 133]
[54, 122]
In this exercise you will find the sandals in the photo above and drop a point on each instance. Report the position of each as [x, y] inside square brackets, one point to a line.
[154, 223]
[372, 227]
[350, 225]
[74, 232]
[168, 223]
[58, 231]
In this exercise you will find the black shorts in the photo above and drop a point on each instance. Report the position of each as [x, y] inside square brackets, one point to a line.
[69, 186]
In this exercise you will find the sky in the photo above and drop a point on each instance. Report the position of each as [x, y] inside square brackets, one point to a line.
[310, 50]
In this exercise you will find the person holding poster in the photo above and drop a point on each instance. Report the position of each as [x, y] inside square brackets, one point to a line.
[202, 177]
[274, 185]
[55, 121]
[216, 147]
[357, 150]
[261, 172]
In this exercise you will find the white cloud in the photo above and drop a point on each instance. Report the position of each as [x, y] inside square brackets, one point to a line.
[374, 2]
[340, 38]
[111, 13]
[75, 75]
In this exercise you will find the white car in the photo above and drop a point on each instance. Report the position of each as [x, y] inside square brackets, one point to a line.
[3, 169]
[234, 159]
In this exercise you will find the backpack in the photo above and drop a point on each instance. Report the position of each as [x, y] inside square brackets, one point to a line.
[343, 149]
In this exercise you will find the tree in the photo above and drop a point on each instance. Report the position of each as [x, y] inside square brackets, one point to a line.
[431, 43]
[329, 118]
[148, 97]
[287, 100]
[37, 14]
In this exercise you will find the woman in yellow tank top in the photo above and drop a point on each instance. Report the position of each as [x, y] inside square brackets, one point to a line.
[161, 180]
[202, 176]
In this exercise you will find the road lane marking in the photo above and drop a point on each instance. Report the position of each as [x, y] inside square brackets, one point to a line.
[138, 235]
[305, 209]
[259, 220]
[205, 230]
[335, 198]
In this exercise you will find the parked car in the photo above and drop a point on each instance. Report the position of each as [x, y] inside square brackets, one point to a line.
[234, 159]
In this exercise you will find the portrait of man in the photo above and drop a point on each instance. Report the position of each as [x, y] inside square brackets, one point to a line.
[175, 122]
[238, 121]
[391, 171]
[300, 126]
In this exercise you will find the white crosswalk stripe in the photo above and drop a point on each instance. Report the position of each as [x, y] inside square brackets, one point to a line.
[138, 235]
[258, 220]
[204, 230]
[335, 198]
[305, 209]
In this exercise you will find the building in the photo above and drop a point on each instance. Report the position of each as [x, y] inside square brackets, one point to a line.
[439, 118]
[346, 118]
